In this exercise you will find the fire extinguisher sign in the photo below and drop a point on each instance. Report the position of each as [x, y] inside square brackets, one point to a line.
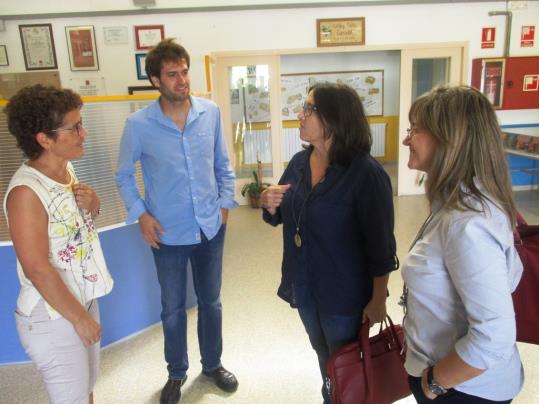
[527, 36]
[488, 37]
[531, 82]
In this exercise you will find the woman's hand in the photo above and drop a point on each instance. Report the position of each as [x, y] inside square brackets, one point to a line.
[87, 329]
[375, 311]
[272, 197]
[86, 198]
[424, 386]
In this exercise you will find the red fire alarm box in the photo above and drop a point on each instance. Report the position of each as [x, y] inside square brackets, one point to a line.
[508, 82]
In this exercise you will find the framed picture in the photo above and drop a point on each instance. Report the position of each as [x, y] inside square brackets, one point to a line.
[141, 66]
[340, 31]
[115, 35]
[38, 46]
[147, 36]
[137, 90]
[3, 56]
[81, 48]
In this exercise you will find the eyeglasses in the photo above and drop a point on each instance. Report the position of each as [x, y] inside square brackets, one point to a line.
[77, 128]
[411, 132]
[308, 109]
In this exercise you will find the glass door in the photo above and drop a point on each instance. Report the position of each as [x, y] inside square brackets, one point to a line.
[247, 90]
[421, 70]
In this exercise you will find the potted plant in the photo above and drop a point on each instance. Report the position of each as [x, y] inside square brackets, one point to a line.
[255, 188]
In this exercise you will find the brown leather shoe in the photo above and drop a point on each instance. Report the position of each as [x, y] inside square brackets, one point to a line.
[223, 379]
[171, 393]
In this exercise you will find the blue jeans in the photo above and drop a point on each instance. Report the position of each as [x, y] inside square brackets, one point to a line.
[206, 262]
[327, 333]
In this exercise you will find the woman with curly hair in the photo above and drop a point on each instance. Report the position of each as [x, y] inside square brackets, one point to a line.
[60, 263]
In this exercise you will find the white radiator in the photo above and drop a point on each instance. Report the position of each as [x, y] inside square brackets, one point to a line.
[378, 131]
[257, 143]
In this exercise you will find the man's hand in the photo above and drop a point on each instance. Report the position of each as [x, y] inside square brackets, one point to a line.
[224, 215]
[151, 229]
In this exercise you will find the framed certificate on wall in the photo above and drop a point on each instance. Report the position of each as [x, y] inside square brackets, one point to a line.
[38, 46]
[147, 36]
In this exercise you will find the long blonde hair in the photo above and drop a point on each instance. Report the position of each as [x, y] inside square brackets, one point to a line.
[468, 145]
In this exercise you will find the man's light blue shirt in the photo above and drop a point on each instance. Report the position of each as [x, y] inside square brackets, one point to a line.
[187, 174]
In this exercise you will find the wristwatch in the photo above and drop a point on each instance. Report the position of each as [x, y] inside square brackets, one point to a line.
[434, 387]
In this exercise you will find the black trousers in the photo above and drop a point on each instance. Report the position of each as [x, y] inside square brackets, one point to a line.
[451, 397]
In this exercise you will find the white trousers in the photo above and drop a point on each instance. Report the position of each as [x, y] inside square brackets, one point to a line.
[68, 368]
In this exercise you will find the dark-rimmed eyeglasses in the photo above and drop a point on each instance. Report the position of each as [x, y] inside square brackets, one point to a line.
[308, 109]
[77, 128]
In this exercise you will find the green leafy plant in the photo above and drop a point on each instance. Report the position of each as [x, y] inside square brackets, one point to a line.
[254, 188]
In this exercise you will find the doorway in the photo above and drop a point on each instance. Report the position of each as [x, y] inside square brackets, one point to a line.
[259, 111]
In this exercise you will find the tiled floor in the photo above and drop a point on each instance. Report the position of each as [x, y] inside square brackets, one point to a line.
[264, 342]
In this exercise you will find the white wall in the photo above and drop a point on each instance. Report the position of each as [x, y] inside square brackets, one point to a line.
[205, 32]
[10, 7]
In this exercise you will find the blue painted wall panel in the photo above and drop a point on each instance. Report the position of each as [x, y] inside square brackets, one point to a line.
[133, 305]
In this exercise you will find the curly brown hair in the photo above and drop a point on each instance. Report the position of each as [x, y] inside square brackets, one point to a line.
[165, 51]
[36, 109]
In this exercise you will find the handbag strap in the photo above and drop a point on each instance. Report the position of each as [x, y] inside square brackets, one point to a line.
[366, 351]
[367, 362]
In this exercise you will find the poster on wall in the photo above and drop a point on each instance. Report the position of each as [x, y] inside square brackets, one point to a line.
[115, 35]
[369, 84]
[527, 36]
[38, 46]
[488, 37]
[88, 86]
[82, 48]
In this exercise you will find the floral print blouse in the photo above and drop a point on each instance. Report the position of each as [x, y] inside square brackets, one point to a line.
[74, 248]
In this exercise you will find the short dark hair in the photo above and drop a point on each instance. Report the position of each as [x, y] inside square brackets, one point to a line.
[36, 109]
[165, 51]
[344, 120]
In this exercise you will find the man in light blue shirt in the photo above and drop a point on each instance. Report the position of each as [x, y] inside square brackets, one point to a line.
[189, 187]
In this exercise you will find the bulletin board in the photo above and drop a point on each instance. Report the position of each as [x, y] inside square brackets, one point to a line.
[369, 84]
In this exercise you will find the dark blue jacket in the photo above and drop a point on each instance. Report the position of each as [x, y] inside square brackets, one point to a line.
[347, 233]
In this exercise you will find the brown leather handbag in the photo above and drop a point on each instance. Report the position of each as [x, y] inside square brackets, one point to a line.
[369, 370]
[526, 295]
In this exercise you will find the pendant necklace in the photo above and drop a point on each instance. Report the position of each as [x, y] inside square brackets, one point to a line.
[297, 238]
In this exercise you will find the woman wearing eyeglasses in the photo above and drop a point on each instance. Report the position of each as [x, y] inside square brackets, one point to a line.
[59, 259]
[462, 267]
[335, 203]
